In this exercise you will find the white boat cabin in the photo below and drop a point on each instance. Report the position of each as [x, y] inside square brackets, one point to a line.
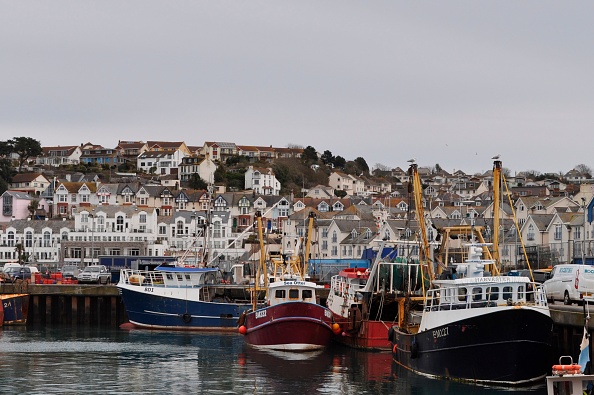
[170, 277]
[284, 291]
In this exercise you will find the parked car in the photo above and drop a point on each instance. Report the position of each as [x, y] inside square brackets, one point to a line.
[70, 271]
[25, 273]
[98, 274]
[541, 275]
[11, 272]
[565, 280]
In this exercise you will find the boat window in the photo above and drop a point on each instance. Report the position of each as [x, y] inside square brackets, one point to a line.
[306, 294]
[169, 276]
[462, 294]
[507, 293]
[180, 277]
[188, 277]
[293, 294]
[279, 294]
[521, 292]
[477, 294]
[493, 293]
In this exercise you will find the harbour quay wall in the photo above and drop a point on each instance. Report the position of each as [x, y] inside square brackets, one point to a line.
[71, 304]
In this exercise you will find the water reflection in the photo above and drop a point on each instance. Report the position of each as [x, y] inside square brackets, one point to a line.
[62, 360]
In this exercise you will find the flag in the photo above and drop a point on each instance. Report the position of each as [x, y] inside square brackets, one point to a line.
[584, 351]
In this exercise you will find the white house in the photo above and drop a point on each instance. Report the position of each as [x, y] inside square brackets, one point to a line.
[262, 181]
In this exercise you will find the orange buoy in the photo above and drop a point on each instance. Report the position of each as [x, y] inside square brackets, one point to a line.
[336, 328]
[566, 369]
[242, 330]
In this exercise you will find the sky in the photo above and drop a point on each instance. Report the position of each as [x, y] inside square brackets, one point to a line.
[451, 82]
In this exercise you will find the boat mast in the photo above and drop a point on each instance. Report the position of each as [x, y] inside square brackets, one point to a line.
[311, 218]
[496, 204]
[418, 196]
[262, 266]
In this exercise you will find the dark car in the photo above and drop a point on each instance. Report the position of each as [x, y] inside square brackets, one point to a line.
[11, 272]
[25, 273]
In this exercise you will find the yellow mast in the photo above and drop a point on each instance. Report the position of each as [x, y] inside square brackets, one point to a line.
[496, 203]
[262, 266]
[418, 196]
[311, 218]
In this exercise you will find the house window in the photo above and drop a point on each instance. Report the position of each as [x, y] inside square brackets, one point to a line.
[180, 228]
[530, 234]
[162, 229]
[11, 239]
[29, 239]
[558, 231]
[84, 198]
[142, 218]
[47, 242]
[334, 237]
[7, 206]
[120, 223]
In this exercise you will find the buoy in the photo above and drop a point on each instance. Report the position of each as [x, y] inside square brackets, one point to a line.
[242, 330]
[336, 328]
[560, 370]
[344, 333]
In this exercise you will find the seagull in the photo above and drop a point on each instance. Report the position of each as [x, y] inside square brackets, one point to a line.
[411, 160]
[496, 157]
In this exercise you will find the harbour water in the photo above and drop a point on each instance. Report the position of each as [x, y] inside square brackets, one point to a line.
[111, 361]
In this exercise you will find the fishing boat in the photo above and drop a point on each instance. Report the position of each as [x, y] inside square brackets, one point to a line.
[292, 319]
[182, 298]
[475, 325]
[14, 309]
[365, 302]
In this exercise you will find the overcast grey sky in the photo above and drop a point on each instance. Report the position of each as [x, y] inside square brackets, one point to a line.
[447, 82]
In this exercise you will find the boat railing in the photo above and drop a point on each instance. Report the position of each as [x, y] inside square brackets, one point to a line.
[409, 281]
[469, 296]
[147, 278]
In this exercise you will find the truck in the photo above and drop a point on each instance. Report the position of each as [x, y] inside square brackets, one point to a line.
[97, 274]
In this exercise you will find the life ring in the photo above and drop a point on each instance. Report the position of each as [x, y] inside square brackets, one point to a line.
[566, 369]
[186, 318]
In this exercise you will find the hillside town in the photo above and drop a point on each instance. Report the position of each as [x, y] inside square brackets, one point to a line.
[73, 204]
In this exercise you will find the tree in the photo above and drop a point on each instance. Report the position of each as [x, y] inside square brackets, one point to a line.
[5, 148]
[220, 174]
[585, 170]
[362, 165]
[339, 162]
[6, 174]
[310, 154]
[339, 193]
[327, 158]
[195, 182]
[25, 148]
[22, 255]
[32, 207]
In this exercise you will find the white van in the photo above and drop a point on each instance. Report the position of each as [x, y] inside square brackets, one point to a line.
[568, 282]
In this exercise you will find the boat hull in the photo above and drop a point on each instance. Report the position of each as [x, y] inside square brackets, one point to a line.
[508, 347]
[291, 326]
[370, 335]
[15, 309]
[156, 311]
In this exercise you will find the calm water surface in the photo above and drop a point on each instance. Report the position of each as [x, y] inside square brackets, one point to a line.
[111, 361]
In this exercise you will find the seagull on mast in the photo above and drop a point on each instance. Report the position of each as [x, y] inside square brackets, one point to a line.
[411, 160]
[496, 157]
